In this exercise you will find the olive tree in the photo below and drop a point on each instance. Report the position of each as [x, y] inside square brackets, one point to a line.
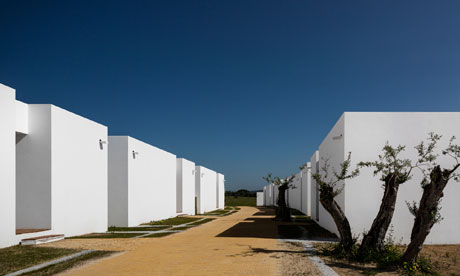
[427, 212]
[283, 213]
[330, 184]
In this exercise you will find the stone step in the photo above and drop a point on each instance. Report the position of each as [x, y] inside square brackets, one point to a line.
[42, 239]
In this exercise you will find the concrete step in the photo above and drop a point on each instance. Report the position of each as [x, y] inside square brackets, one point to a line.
[42, 239]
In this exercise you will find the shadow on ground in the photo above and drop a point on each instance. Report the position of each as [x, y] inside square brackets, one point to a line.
[262, 225]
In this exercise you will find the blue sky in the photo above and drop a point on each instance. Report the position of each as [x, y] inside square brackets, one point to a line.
[242, 87]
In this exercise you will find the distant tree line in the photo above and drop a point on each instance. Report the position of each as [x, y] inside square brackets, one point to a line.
[242, 193]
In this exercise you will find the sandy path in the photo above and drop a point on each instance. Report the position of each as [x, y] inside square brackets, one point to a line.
[227, 246]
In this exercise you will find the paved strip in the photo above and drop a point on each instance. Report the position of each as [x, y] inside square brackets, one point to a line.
[224, 246]
[43, 265]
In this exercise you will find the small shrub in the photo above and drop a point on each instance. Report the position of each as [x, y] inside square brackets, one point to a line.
[423, 266]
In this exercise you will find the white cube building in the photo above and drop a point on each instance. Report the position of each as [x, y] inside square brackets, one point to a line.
[260, 199]
[185, 187]
[205, 189]
[54, 178]
[220, 191]
[364, 134]
[142, 182]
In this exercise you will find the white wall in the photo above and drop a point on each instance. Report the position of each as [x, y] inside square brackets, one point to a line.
[7, 165]
[205, 189]
[33, 171]
[332, 149]
[61, 173]
[260, 199]
[306, 190]
[118, 181]
[314, 161]
[79, 174]
[295, 192]
[151, 182]
[220, 191]
[365, 135]
[22, 117]
[185, 186]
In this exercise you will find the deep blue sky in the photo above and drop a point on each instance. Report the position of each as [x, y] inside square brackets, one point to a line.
[242, 87]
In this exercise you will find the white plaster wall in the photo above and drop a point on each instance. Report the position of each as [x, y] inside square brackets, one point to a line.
[79, 174]
[152, 183]
[205, 189]
[7, 166]
[314, 161]
[295, 192]
[185, 186]
[332, 149]
[220, 191]
[306, 190]
[22, 117]
[118, 181]
[260, 199]
[365, 135]
[33, 171]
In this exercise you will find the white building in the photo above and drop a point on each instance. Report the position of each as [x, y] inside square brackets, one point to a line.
[142, 182]
[220, 191]
[205, 189]
[260, 199]
[185, 187]
[364, 134]
[53, 171]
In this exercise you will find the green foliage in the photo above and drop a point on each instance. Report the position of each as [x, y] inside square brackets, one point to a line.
[423, 266]
[285, 183]
[240, 201]
[389, 163]
[328, 185]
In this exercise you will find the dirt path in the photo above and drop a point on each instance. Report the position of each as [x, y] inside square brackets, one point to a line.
[239, 244]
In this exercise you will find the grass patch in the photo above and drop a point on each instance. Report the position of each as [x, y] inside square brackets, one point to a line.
[216, 213]
[240, 201]
[58, 268]
[202, 221]
[159, 235]
[112, 229]
[229, 213]
[18, 257]
[107, 236]
[181, 228]
[296, 212]
[173, 221]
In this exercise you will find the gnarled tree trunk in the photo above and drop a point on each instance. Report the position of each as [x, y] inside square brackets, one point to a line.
[284, 213]
[426, 214]
[374, 239]
[341, 221]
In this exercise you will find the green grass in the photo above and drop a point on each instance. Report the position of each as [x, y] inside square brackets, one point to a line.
[107, 236]
[229, 213]
[112, 228]
[240, 201]
[202, 221]
[181, 228]
[173, 221]
[58, 268]
[159, 235]
[22, 256]
[216, 212]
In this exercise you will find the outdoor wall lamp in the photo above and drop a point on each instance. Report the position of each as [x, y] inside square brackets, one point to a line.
[101, 143]
[202, 174]
[337, 137]
[193, 172]
[134, 154]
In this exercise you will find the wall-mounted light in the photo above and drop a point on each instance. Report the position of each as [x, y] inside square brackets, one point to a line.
[193, 172]
[101, 143]
[134, 154]
[202, 174]
[337, 137]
